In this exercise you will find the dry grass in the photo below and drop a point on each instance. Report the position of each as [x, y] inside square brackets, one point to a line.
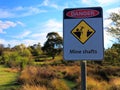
[13, 70]
[36, 75]
[33, 87]
[52, 77]
[103, 78]
[49, 76]
[58, 84]
[115, 83]
[93, 84]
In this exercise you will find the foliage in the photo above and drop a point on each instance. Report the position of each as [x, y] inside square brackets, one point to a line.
[1, 49]
[19, 56]
[114, 28]
[53, 45]
[35, 49]
[112, 55]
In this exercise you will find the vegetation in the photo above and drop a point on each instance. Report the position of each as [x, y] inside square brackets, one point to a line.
[53, 45]
[114, 29]
[8, 78]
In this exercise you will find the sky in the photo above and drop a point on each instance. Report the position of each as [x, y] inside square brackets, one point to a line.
[28, 21]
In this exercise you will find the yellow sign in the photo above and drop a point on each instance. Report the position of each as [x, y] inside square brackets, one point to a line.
[83, 31]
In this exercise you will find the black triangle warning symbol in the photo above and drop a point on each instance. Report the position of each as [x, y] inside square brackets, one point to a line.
[78, 34]
[89, 33]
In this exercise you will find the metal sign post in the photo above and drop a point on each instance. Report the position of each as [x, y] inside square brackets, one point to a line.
[83, 75]
[83, 36]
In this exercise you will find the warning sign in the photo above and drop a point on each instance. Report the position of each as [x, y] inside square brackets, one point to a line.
[83, 31]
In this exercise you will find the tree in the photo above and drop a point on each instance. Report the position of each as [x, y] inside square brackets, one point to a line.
[35, 49]
[19, 56]
[112, 54]
[114, 29]
[1, 49]
[53, 45]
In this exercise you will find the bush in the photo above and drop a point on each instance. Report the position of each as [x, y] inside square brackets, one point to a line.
[36, 75]
[33, 87]
[114, 87]
[15, 59]
[72, 73]
[58, 84]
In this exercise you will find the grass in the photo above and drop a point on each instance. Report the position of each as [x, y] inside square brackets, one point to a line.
[50, 74]
[7, 78]
[70, 83]
[48, 60]
[31, 87]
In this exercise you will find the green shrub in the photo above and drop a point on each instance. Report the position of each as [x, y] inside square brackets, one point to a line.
[16, 59]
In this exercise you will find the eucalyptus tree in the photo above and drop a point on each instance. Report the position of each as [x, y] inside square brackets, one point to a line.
[53, 45]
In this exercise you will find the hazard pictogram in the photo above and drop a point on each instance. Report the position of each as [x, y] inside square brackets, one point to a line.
[83, 31]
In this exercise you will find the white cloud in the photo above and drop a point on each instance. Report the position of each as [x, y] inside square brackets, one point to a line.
[87, 2]
[2, 41]
[20, 11]
[29, 38]
[52, 25]
[14, 42]
[113, 10]
[22, 35]
[8, 24]
[19, 8]
[5, 25]
[99, 2]
[27, 11]
[53, 4]
[45, 3]
[21, 23]
[108, 39]
[107, 23]
[5, 13]
[25, 34]
[106, 2]
[39, 37]
[29, 42]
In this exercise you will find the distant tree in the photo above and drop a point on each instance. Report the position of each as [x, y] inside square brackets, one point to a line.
[18, 56]
[112, 55]
[20, 47]
[35, 49]
[114, 28]
[53, 45]
[1, 49]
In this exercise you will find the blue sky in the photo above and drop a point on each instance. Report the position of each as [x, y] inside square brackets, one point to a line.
[29, 21]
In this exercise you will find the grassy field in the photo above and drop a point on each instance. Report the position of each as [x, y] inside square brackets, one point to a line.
[8, 78]
[49, 74]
